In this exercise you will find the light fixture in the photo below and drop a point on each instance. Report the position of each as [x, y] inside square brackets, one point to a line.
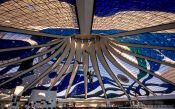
[42, 94]
[19, 90]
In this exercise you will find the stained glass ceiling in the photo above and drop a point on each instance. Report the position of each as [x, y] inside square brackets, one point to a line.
[130, 15]
[37, 14]
[129, 51]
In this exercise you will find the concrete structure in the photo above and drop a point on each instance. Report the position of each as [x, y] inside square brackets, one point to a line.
[89, 52]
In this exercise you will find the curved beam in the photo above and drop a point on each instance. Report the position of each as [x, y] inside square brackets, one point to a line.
[85, 69]
[35, 66]
[30, 47]
[31, 57]
[64, 54]
[141, 56]
[145, 30]
[65, 67]
[96, 68]
[76, 65]
[144, 45]
[124, 69]
[101, 57]
[23, 31]
[127, 60]
[28, 58]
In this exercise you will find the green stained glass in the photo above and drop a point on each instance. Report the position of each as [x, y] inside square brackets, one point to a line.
[141, 62]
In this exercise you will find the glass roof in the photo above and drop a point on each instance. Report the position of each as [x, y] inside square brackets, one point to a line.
[130, 15]
[104, 66]
[38, 14]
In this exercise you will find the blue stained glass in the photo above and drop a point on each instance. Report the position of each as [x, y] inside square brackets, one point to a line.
[52, 74]
[12, 84]
[159, 39]
[151, 53]
[11, 44]
[68, 1]
[41, 40]
[91, 86]
[106, 32]
[154, 66]
[61, 31]
[63, 84]
[79, 88]
[73, 31]
[140, 39]
[4, 43]
[110, 7]
[170, 54]
[6, 69]
[3, 1]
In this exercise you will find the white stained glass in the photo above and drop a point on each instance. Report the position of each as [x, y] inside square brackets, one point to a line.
[34, 15]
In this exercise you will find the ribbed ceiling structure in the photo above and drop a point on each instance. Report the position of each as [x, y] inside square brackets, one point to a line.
[88, 48]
